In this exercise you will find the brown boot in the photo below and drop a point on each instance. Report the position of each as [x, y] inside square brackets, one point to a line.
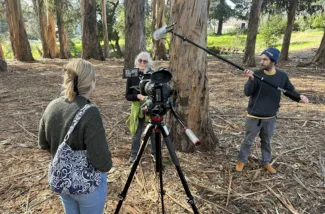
[239, 166]
[269, 168]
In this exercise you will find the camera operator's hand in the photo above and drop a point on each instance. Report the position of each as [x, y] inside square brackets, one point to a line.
[140, 97]
[249, 73]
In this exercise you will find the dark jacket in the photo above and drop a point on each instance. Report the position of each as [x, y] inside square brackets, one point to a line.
[89, 134]
[264, 100]
[131, 93]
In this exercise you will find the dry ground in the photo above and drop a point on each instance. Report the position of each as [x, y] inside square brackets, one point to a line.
[298, 147]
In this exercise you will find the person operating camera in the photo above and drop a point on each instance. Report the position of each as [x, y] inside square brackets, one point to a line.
[144, 63]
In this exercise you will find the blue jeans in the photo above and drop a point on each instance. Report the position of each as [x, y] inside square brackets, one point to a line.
[92, 203]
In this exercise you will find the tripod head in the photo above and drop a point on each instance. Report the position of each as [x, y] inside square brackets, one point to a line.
[157, 120]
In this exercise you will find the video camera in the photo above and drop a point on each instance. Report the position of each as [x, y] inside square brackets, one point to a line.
[155, 86]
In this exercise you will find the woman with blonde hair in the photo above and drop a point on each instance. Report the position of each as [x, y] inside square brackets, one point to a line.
[144, 62]
[71, 129]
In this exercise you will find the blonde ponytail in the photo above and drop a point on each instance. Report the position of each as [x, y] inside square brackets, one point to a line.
[78, 77]
[69, 84]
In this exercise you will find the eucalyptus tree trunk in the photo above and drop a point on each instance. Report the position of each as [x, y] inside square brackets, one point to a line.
[287, 35]
[105, 32]
[135, 39]
[254, 16]
[158, 48]
[320, 55]
[90, 41]
[63, 31]
[220, 24]
[18, 36]
[53, 49]
[47, 28]
[189, 68]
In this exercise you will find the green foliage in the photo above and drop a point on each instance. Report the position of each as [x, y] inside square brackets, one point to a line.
[148, 26]
[319, 21]
[31, 21]
[120, 22]
[241, 11]
[75, 47]
[72, 18]
[303, 23]
[4, 35]
[220, 10]
[272, 30]
[307, 22]
[6, 46]
[277, 6]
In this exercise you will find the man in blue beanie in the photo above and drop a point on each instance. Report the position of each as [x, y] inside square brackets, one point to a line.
[264, 102]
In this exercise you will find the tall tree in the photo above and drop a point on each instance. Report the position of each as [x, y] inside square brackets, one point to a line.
[47, 28]
[287, 35]
[221, 11]
[105, 32]
[63, 31]
[159, 49]
[115, 24]
[189, 67]
[90, 42]
[53, 49]
[18, 37]
[254, 16]
[135, 40]
[320, 54]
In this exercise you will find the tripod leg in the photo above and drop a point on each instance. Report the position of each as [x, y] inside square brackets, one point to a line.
[159, 166]
[122, 195]
[171, 150]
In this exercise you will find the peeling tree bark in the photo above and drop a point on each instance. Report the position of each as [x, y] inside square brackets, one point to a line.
[189, 68]
[18, 36]
[63, 32]
[90, 41]
[47, 29]
[105, 33]
[158, 49]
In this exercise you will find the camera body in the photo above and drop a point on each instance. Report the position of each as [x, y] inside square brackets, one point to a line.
[156, 87]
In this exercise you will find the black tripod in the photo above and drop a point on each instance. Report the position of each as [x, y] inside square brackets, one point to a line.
[156, 125]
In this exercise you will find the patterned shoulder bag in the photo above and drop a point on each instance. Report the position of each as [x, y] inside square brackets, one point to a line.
[70, 171]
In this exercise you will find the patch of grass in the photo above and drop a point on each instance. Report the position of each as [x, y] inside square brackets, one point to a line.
[299, 41]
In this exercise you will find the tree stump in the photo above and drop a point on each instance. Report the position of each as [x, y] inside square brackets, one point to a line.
[3, 65]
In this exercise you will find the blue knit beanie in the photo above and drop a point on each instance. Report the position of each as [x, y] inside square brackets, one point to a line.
[272, 53]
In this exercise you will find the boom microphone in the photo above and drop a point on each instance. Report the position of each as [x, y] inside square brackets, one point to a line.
[159, 33]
